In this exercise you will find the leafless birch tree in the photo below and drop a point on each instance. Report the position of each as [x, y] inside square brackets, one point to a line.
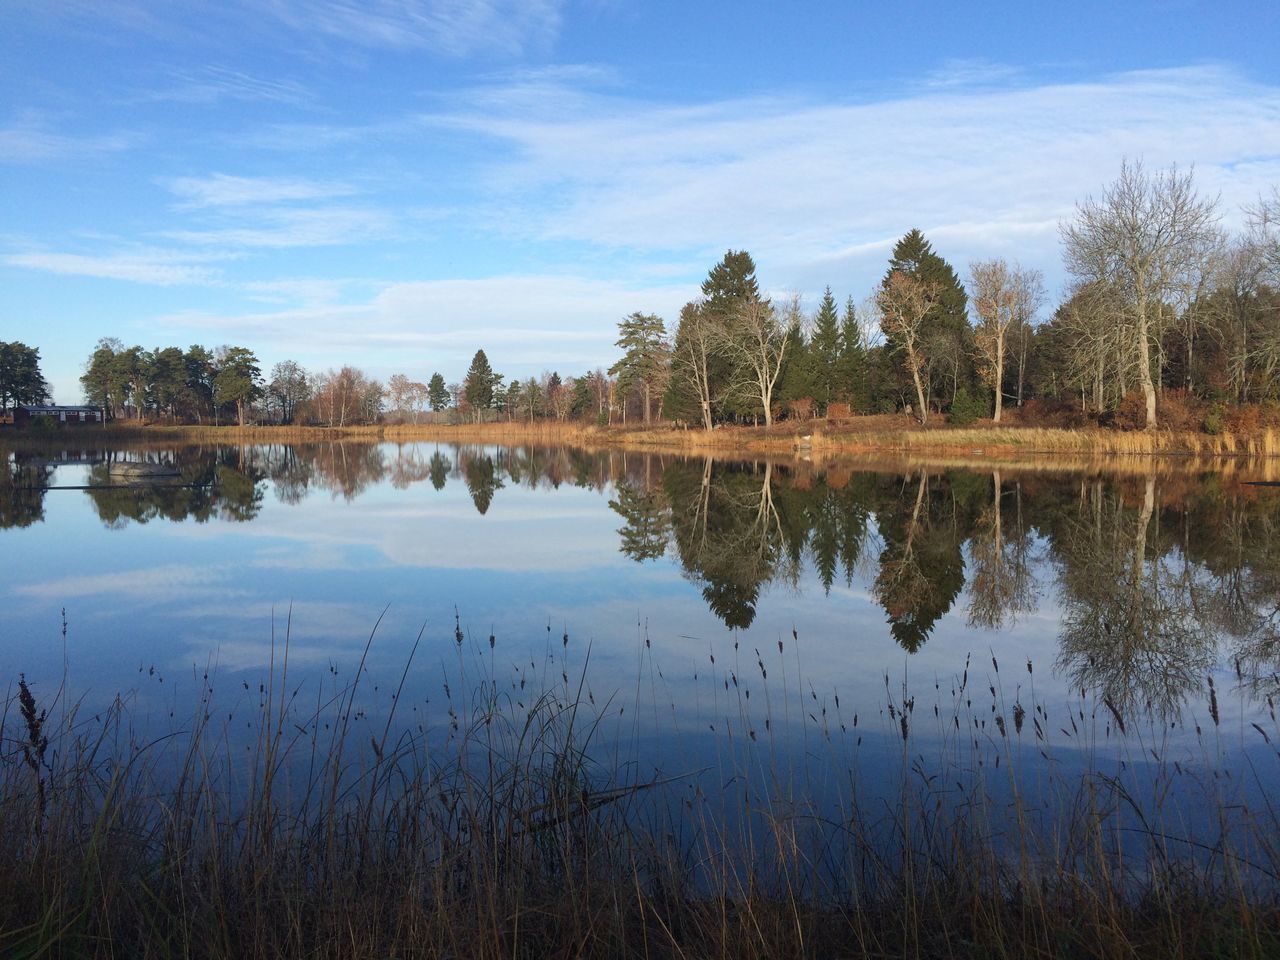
[1148, 237]
[904, 301]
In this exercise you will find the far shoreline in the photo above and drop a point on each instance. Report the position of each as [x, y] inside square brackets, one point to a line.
[883, 435]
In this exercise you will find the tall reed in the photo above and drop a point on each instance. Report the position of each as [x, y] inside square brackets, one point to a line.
[522, 815]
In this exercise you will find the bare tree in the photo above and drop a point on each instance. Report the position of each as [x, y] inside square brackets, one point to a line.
[1148, 238]
[696, 344]
[1004, 298]
[755, 344]
[904, 302]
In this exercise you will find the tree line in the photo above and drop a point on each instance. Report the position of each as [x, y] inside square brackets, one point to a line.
[1163, 310]
[1165, 319]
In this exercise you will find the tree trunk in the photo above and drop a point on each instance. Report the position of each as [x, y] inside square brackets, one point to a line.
[923, 415]
[999, 377]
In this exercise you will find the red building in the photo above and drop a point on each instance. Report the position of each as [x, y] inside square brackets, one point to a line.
[25, 414]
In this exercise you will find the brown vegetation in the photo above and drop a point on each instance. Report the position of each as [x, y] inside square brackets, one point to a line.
[499, 835]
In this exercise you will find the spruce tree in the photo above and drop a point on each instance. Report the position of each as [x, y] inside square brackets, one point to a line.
[437, 392]
[824, 350]
[853, 382]
[479, 385]
[946, 328]
[699, 371]
[798, 378]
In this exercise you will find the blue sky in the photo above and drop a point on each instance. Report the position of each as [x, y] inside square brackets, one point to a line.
[395, 183]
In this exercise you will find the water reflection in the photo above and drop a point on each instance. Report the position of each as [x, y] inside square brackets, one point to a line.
[1153, 580]
[23, 485]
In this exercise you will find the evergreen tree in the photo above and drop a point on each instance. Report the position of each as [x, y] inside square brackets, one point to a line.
[437, 393]
[825, 352]
[239, 379]
[642, 337]
[200, 372]
[479, 385]
[798, 379]
[700, 372]
[945, 336]
[731, 282]
[21, 381]
[852, 379]
[104, 386]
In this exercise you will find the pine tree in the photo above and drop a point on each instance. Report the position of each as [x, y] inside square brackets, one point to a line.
[798, 380]
[437, 392]
[731, 282]
[852, 382]
[479, 385]
[824, 349]
[642, 337]
[700, 373]
[945, 335]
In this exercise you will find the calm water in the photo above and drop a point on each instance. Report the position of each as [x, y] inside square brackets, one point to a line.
[834, 596]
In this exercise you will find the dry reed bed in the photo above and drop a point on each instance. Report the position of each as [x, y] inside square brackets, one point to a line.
[819, 438]
[522, 824]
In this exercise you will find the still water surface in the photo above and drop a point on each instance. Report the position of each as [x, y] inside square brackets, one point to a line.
[836, 594]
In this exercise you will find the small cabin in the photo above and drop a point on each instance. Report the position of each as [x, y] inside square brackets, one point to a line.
[25, 414]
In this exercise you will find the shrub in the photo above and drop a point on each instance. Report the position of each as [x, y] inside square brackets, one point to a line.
[968, 407]
[1180, 410]
[801, 408]
[1131, 414]
[1053, 412]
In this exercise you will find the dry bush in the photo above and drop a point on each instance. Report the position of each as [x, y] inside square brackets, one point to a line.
[1046, 412]
[801, 408]
[1180, 411]
[839, 411]
[1131, 414]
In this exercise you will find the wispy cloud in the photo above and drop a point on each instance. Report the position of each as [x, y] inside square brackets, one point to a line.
[159, 268]
[32, 141]
[212, 84]
[223, 190]
[523, 322]
[970, 72]
[294, 228]
[160, 584]
[451, 27]
[794, 181]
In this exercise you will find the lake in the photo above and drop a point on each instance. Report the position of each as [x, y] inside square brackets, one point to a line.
[1113, 622]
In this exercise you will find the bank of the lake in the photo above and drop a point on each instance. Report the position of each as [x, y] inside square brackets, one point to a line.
[873, 435]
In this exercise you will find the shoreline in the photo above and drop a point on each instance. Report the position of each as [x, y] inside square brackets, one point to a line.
[814, 440]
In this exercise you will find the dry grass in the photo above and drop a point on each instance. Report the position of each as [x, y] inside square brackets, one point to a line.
[863, 435]
[520, 825]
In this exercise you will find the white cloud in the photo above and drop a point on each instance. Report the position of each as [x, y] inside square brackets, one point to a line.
[32, 142]
[451, 27]
[161, 269]
[566, 321]
[165, 583]
[287, 227]
[211, 84]
[221, 190]
[795, 181]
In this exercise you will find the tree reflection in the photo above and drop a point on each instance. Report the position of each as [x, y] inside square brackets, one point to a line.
[1001, 585]
[23, 485]
[646, 530]
[438, 470]
[921, 566]
[1132, 628]
[482, 480]
[221, 483]
[727, 533]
